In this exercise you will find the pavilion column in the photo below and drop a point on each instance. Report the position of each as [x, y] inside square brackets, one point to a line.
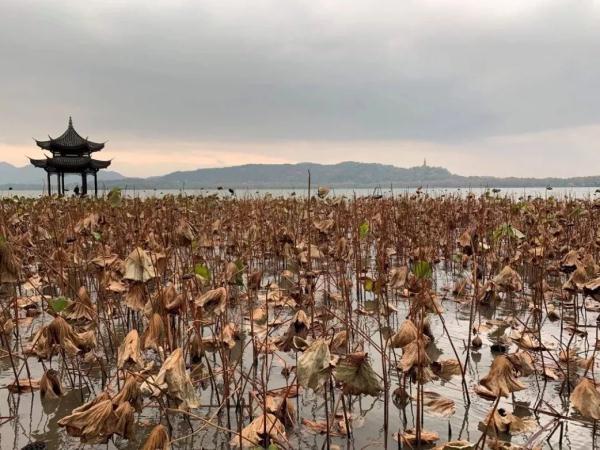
[49, 185]
[62, 182]
[58, 183]
[83, 183]
[96, 184]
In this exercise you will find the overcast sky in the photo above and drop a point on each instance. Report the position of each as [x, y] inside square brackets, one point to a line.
[507, 87]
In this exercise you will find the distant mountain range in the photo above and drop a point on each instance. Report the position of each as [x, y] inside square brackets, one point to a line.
[34, 177]
[345, 174]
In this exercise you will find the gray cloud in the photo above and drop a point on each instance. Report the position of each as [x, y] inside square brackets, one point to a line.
[292, 70]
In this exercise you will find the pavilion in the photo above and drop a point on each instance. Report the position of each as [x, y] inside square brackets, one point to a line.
[71, 154]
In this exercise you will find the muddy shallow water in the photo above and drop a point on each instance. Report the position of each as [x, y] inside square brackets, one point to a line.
[28, 418]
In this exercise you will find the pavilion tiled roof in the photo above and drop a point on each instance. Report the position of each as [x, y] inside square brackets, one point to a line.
[70, 142]
[71, 163]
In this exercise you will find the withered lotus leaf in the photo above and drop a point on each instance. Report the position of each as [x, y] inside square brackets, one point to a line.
[577, 281]
[82, 308]
[24, 385]
[158, 439]
[322, 191]
[457, 445]
[409, 437]
[130, 393]
[501, 379]
[299, 326]
[126, 424]
[414, 355]
[406, 334]
[501, 421]
[522, 362]
[398, 277]
[585, 398]
[324, 225]
[94, 425]
[314, 365]
[130, 354]
[9, 267]
[184, 232]
[357, 375]
[570, 261]
[135, 297]
[213, 302]
[154, 334]
[339, 342]
[50, 385]
[508, 280]
[59, 334]
[174, 377]
[253, 434]
[139, 266]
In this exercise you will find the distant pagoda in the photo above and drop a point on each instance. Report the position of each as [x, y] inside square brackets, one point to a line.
[70, 154]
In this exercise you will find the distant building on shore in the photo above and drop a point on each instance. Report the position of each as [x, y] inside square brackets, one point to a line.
[71, 154]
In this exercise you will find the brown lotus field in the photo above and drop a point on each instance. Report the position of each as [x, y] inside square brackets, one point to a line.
[406, 321]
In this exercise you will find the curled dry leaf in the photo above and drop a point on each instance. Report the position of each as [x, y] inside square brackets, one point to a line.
[94, 423]
[139, 266]
[130, 354]
[130, 393]
[501, 379]
[50, 385]
[339, 342]
[213, 302]
[135, 297]
[501, 421]
[406, 334]
[9, 266]
[126, 424]
[314, 365]
[322, 191]
[415, 355]
[398, 277]
[82, 308]
[456, 445]
[158, 439]
[253, 434]
[24, 385]
[154, 334]
[320, 427]
[508, 280]
[60, 336]
[174, 378]
[522, 362]
[585, 398]
[357, 375]
[409, 437]
[299, 326]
